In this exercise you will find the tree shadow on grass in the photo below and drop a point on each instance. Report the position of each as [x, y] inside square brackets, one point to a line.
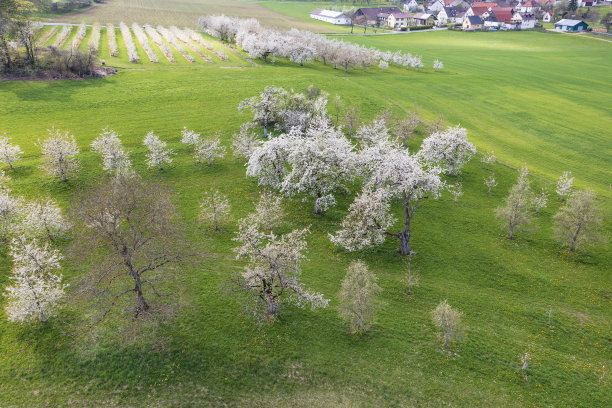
[56, 90]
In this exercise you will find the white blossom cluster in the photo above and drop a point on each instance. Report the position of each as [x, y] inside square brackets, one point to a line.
[208, 150]
[45, 38]
[171, 38]
[189, 137]
[448, 149]
[94, 40]
[59, 152]
[112, 40]
[115, 159]
[36, 285]
[565, 185]
[272, 276]
[158, 151]
[302, 46]
[79, 37]
[246, 141]
[129, 42]
[214, 209]
[62, 36]
[157, 39]
[9, 153]
[198, 39]
[144, 42]
[184, 39]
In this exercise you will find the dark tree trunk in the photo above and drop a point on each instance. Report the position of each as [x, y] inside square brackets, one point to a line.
[404, 237]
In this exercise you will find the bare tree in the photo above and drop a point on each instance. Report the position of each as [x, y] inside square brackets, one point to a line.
[404, 128]
[128, 230]
[578, 221]
[351, 119]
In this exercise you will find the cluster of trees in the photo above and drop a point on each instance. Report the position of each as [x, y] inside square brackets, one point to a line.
[575, 224]
[129, 231]
[20, 50]
[302, 46]
[315, 159]
[36, 286]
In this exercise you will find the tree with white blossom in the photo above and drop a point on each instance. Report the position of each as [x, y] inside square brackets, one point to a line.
[490, 183]
[488, 159]
[272, 276]
[438, 65]
[456, 190]
[190, 137]
[115, 159]
[59, 152]
[37, 286]
[42, 219]
[268, 162]
[449, 149]
[321, 163]
[10, 209]
[9, 153]
[540, 200]
[565, 184]
[448, 320]
[394, 176]
[264, 106]
[208, 150]
[269, 211]
[246, 141]
[214, 209]
[158, 152]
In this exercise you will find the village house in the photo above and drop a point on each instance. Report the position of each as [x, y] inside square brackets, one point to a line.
[528, 21]
[374, 15]
[411, 5]
[452, 15]
[546, 17]
[434, 6]
[479, 11]
[422, 19]
[587, 3]
[452, 3]
[571, 25]
[399, 20]
[472, 23]
[330, 16]
[527, 7]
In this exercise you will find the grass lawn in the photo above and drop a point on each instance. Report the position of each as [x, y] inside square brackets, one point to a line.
[183, 13]
[519, 94]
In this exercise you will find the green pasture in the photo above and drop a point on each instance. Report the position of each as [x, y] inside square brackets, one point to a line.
[539, 99]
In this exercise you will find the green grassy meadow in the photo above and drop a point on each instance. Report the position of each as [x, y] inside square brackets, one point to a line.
[524, 95]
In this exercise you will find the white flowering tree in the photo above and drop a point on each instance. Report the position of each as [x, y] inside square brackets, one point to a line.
[269, 211]
[396, 176]
[321, 163]
[246, 141]
[565, 184]
[449, 149]
[59, 152]
[9, 153]
[577, 223]
[214, 209]
[10, 207]
[272, 276]
[115, 159]
[42, 219]
[268, 162]
[158, 151]
[264, 106]
[37, 288]
[208, 150]
[189, 137]
[540, 200]
[438, 65]
[490, 182]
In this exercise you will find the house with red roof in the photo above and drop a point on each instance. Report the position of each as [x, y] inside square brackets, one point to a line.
[477, 11]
